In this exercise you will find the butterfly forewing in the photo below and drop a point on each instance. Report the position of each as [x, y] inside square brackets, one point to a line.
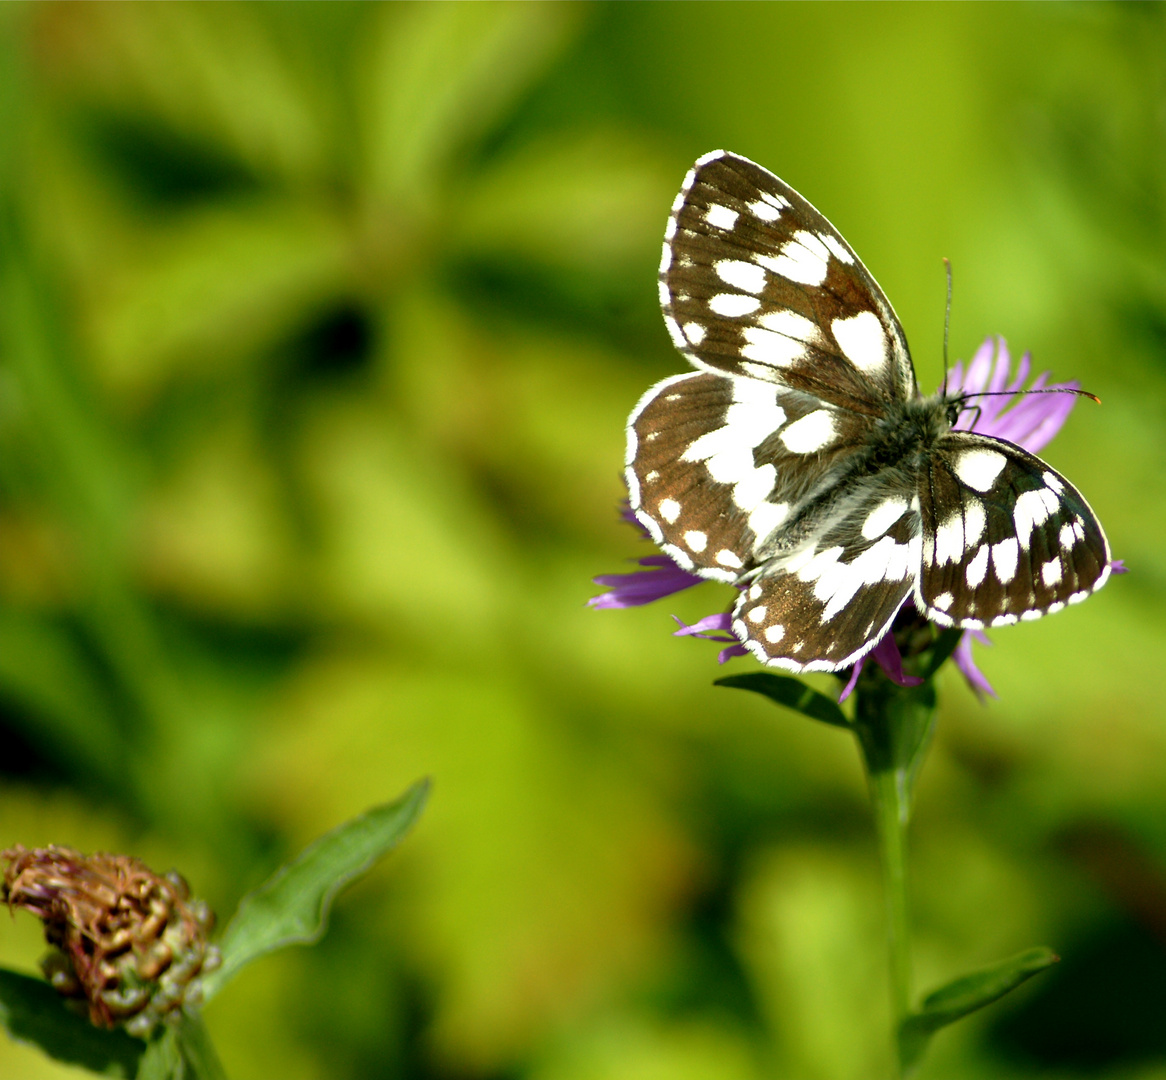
[755, 282]
[1008, 537]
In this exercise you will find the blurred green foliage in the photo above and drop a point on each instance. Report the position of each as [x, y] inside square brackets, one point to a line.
[318, 328]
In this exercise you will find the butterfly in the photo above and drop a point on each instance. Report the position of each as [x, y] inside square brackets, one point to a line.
[800, 463]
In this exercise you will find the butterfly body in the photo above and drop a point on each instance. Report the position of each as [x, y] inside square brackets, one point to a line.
[800, 462]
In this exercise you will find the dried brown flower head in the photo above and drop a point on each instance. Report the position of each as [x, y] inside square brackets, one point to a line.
[131, 943]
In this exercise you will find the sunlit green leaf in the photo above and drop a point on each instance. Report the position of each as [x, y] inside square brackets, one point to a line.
[790, 692]
[291, 907]
[33, 1012]
[965, 995]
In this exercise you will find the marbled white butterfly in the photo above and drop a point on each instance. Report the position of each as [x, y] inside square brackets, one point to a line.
[800, 461]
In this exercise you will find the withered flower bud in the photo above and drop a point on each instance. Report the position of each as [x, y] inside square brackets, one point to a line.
[129, 942]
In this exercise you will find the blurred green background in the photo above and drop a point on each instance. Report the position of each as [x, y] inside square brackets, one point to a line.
[319, 325]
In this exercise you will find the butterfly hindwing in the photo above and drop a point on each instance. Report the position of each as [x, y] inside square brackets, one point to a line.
[824, 604]
[716, 465]
[754, 281]
[1008, 537]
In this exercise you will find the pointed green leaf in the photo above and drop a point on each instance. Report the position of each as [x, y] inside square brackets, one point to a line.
[33, 1012]
[965, 995]
[790, 692]
[291, 907]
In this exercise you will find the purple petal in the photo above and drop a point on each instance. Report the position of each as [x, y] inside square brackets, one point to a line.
[705, 627]
[886, 654]
[1027, 419]
[713, 628]
[643, 586]
[1118, 566]
[852, 682]
[963, 660]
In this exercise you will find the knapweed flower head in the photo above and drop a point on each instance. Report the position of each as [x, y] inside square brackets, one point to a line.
[127, 941]
[1006, 410]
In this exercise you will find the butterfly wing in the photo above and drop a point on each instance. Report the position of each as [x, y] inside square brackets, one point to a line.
[1006, 537]
[825, 604]
[755, 282]
[716, 466]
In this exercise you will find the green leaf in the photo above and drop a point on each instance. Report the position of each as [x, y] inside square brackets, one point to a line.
[33, 1012]
[790, 692]
[291, 907]
[965, 995]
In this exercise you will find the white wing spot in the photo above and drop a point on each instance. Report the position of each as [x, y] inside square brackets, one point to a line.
[773, 350]
[1005, 556]
[754, 592]
[651, 476]
[729, 558]
[665, 258]
[1030, 615]
[974, 521]
[837, 249]
[978, 567]
[669, 510]
[675, 333]
[774, 633]
[742, 275]
[1032, 508]
[1054, 607]
[792, 325]
[721, 217]
[756, 614]
[764, 210]
[1077, 597]
[665, 296]
[803, 258]
[689, 180]
[696, 540]
[694, 332]
[812, 432]
[1053, 482]
[943, 601]
[767, 516]
[734, 305]
[949, 540]
[979, 468]
[882, 517]
[1005, 620]
[1051, 573]
[670, 229]
[862, 339]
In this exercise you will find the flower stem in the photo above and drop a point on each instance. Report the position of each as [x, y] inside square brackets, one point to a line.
[891, 823]
[893, 725]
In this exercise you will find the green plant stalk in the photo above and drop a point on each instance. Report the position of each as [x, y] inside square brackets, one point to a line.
[891, 822]
[893, 725]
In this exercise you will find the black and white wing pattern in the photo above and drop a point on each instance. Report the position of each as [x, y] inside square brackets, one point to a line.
[1007, 538]
[799, 461]
[755, 282]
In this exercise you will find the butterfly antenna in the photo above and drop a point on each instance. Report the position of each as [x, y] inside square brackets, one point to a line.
[946, 323]
[1040, 390]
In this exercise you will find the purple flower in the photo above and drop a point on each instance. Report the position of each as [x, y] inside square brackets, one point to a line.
[642, 586]
[1029, 420]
